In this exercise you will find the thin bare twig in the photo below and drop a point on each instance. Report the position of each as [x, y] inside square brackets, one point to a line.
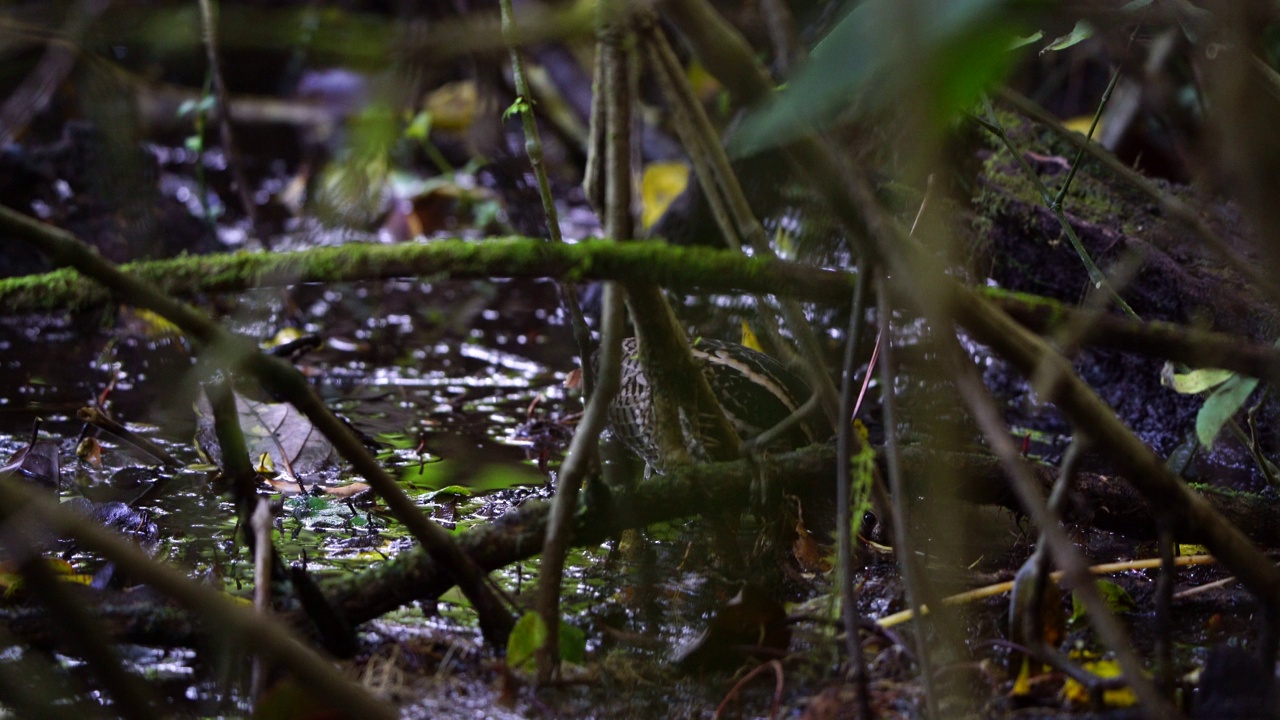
[902, 540]
[235, 163]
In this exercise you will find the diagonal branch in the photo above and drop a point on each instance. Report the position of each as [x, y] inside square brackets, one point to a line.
[284, 380]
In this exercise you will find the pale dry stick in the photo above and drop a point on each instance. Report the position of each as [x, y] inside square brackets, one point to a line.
[263, 550]
[1201, 589]
[1001, 588]
[233, 620]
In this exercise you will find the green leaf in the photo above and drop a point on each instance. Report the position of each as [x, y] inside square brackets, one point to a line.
[529, 636]
[947, 52]
[1117, 600]
[419, 127]
[1081, 32]
[862, 468]
[1222, 405]
[1077, 610]
[458, 490]
[519, 106]
[1034, 37]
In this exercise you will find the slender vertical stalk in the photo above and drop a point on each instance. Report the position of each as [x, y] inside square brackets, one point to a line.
[848, 609]
[893, 461]
[615, 104]
[576, 464]
[209, 20]
[533, 147]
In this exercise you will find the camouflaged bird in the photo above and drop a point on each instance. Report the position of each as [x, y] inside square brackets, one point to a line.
[755, 390]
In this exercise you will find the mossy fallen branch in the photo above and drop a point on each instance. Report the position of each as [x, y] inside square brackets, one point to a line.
[674, 267]
[1106, 503]
[652, 262]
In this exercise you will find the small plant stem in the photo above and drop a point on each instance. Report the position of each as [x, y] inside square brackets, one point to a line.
[235, 164]
[848, 608]
[533, 146]
[1056, 205]
[1096, 276]
[1178, 211]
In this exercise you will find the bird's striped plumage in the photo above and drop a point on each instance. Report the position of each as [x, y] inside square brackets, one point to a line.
[755, 390]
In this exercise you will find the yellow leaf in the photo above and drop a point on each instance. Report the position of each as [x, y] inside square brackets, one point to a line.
[153, 325]
[1076, 694]
[1194, 381]
[1081, 125]
[704, 84]
[266, 466]
[284, 335]
[1022, 686]
[452, 105]
[661, 184]
[749, 338]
